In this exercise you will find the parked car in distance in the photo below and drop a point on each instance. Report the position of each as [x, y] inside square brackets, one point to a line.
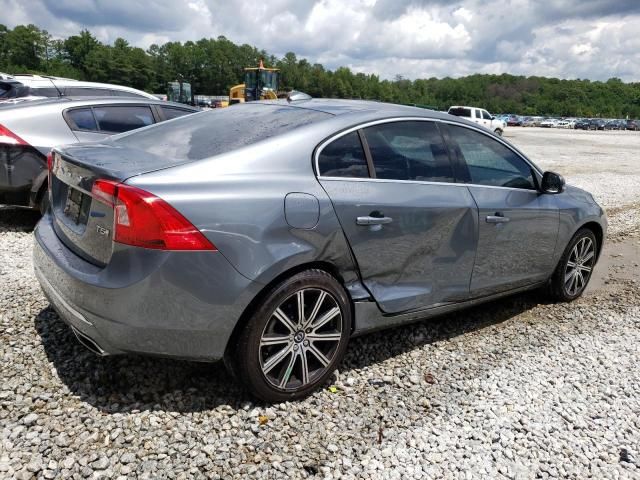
[549, 123]
[514, 121]
[597, 124]
[632, 125]
[29, 130]
[528, 122]
[15, 88]
[479, 116]
[324, 220]
[582, 124]
[565, 123]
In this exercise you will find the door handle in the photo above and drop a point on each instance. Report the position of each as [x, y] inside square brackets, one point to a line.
[373, 220]
[497, 218]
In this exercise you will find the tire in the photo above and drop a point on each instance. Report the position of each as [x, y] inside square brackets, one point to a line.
[579, 256]
[498, 132]
[293, 364]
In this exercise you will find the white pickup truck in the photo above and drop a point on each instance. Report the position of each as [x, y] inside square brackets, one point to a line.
[479, 116]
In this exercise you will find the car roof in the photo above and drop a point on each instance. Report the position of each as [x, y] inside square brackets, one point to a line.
[338, 107]
[67, 102]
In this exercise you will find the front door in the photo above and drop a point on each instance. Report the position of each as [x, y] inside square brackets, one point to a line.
[411, 229]
[517, 225]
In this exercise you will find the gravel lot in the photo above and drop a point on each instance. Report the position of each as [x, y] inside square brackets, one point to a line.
[518, 388]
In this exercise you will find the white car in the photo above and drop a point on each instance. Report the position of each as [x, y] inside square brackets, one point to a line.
[479, 116]
[567, 123]
[16, 88]
[549, 123]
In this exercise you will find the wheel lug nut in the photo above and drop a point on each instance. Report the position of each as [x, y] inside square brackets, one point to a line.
[306, 343]
[295, 347]
[308, 330]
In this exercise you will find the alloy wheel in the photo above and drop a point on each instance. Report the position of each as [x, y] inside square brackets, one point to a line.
[300, 339]
[579, 266]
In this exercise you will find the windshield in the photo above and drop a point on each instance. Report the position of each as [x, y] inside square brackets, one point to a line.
[270, 80]
[250, 79]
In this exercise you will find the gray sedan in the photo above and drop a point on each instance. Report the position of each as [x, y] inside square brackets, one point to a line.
[267, 234]
[29, 130]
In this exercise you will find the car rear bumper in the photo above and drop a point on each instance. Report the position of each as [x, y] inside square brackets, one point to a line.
[175, 304]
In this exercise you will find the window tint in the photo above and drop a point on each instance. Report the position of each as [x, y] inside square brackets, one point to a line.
[81, 119]
[460, 112]
[45, 92]
[486, 115]
[409, 151]
[120, 119]
[489, 161]
[343, 157]
[86, 92]
[123, 93]
[171, 112]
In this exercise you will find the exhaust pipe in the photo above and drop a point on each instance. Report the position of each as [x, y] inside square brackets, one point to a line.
[88, 343]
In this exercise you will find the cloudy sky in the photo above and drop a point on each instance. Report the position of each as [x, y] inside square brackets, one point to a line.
[595, 39]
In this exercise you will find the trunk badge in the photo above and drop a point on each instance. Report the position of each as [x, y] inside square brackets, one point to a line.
[102, 230]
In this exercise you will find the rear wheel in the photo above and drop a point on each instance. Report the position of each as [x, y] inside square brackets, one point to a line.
[575, 267]
[295, 338]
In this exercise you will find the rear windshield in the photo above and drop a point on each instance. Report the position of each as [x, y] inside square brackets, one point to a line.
[218, 131]
[13, 90]
[460, 112]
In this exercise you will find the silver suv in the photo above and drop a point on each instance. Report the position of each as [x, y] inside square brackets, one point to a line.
[15, 88]
[29, 130]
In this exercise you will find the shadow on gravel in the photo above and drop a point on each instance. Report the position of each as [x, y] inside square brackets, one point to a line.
[120, 384]
[14, 219]
[380, 346]
[124, 383]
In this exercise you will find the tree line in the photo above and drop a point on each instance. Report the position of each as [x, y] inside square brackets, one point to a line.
[213, 65]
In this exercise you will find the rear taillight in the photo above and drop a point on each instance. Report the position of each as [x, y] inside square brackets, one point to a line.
[7, 137]
[144, 220]
[49, 169]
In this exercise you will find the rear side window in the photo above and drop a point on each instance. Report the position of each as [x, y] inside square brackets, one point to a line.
[86, 92]
[171, 112]
[81, 119]
[343, 157]
[460, 112]
[490, 162]
[124, 93]
[45, 92]
[409, 151]
[118, 119]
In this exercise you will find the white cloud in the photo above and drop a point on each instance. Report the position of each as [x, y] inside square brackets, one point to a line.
[413, 38]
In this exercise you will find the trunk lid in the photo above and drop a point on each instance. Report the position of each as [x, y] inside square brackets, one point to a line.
[83, 223]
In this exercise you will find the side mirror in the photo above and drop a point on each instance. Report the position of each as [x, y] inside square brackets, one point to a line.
[552, 183]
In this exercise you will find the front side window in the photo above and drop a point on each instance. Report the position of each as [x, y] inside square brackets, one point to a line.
[118, 119]
[486, 115]
[490, 162]
[411, 150]
[343, 157]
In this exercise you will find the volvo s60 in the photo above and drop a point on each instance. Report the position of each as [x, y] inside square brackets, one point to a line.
[269, 233]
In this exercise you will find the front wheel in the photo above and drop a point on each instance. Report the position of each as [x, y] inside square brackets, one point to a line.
[575, 267]
[295, 339]
[498, 131]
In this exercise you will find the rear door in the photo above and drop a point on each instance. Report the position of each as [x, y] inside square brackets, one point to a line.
[517, 225]
[411, 228]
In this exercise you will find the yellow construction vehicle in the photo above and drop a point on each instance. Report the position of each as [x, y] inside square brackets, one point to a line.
[260, 83]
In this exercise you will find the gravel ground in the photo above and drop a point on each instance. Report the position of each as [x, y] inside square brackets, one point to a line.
[518, 388]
